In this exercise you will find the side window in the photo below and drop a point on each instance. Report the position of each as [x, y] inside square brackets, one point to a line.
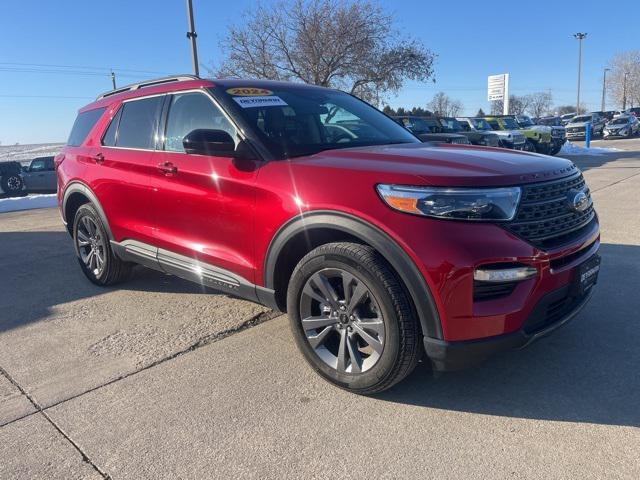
[85, 121]
[109, 139]
[37, 166]
[48, 164]
[138, 122]
[189, 112]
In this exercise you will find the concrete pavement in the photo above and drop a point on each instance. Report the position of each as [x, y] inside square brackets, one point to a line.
[159, 379]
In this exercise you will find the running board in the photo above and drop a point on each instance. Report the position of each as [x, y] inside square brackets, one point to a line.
[193, 270]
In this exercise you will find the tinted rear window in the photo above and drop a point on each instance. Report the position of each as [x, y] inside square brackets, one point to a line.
[138, 122]
[85, 121]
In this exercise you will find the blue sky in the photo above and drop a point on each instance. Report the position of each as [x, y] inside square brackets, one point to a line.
[145, 38]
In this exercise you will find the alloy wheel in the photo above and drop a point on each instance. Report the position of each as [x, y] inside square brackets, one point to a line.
[13, 183]
[342, 320]
[91, 245]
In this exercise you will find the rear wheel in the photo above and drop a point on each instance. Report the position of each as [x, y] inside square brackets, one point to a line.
[12, 184]
[93, 249]
[352, 319]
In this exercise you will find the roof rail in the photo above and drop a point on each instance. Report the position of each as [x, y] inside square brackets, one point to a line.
[148, 83]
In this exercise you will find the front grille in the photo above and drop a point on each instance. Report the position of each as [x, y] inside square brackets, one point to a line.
[576, 130]
[518, 139]
[460, 140]
[545, 218]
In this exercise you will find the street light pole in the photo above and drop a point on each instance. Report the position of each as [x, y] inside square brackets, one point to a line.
[624, 91]
[191, 35]
[604, 87]
[579, 36]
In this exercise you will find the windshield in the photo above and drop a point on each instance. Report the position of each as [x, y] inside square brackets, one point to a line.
[421, 125]
[450, 125]
[619, 121]
[480, 124]
[525, 121]
[581, 118]
[510, 123]
[294, 121]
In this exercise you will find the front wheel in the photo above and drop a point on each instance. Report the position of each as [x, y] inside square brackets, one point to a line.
[529, 146]
[351, 318]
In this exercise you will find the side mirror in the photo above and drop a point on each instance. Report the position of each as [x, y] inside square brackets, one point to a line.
[216, 143]
[25, 168]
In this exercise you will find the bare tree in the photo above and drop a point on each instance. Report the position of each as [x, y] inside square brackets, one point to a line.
[517, 105]
[540, 103]
[629, 63]
[444, 106]
[344, 44]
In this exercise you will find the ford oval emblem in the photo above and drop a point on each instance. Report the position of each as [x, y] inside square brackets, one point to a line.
[578, 201]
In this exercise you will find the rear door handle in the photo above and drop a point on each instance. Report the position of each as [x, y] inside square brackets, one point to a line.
[167, 168]
[99, 158]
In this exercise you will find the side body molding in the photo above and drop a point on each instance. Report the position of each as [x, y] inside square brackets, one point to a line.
[388, 248]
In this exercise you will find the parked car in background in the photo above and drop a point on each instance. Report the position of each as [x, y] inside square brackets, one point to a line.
[558, 132]
[538, 138]
[622, 126]
[566, 118]
[607, 115]
[476, 137]
[40, 175]
[576, 128]
[11, 182]
[506, 138]
[429, 129]
[635, 111]
[380, 248]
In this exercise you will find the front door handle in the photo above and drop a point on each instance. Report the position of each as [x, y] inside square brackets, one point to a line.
[99, 158]
[167, 168]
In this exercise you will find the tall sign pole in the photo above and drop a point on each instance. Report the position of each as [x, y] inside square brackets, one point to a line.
[505, 101]
[579, 36]
[191, 35]
[604, 88]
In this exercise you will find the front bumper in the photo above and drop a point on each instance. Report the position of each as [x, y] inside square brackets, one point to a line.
[451, 356]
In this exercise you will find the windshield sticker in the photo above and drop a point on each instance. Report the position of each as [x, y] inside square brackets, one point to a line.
[249, 92]
[266, 101]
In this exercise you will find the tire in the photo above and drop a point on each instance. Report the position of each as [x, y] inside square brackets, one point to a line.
[542, 148]
[529, 146]
[554, 150]
[102, 267]
[12, 183]
[380, 336]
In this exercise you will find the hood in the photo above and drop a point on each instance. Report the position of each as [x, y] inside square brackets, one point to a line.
[578, 124]
[507, 133]
[540, 128]
[443, 165]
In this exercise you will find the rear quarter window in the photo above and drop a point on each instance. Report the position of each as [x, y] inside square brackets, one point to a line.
[85, 121]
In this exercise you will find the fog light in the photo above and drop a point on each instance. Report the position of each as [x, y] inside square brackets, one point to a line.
[504, 274]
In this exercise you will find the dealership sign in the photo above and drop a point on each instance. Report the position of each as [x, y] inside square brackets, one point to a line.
[498, 84]
[498, 89]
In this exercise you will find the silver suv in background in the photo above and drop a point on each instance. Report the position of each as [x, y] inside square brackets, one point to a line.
[576, 128]
[507, 138]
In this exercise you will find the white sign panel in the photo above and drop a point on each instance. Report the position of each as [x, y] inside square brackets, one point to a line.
[496, 87]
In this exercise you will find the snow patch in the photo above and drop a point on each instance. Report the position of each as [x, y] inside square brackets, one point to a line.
[26, 153]
[29, 202]
[572, 149]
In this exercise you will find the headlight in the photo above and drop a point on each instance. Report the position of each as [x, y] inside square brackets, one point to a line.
[479, 204]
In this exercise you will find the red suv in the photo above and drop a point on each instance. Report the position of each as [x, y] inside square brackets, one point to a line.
[308, 200]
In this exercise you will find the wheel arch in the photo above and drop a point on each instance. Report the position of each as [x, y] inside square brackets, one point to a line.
[307, 231]
[75, 195]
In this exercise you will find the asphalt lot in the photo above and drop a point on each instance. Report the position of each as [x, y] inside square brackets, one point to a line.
[160, 379]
